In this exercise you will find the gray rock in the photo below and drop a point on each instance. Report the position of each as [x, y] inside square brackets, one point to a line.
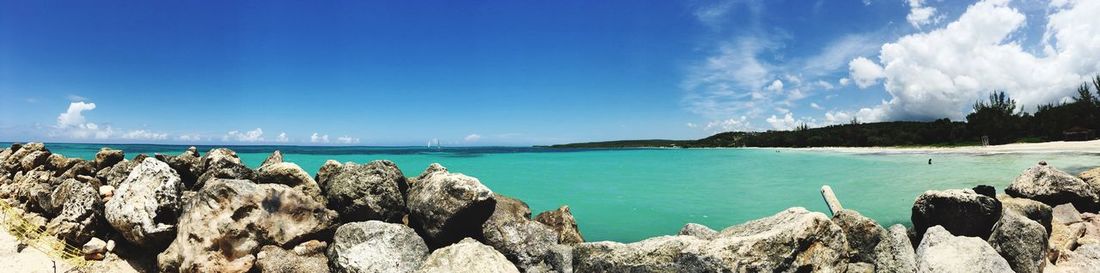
[1047, 184]
[375, 246]
[433, 168]
[189, 166]
[699, 231]
[1085, 259]
[81, 212]
[962, 212]
[275, 157]
[446, 207]
[81, 168]
[372, 191]
[115, 174]
[327, 172]
[895, 252]
[13, 161]
[942, 252]
[528, 244]
[274, 259]
[1091, 176]
[34, 159]
[146, 205]
[862, 233]
[229, 220]
[1021, 241]
[1034, 210]
[222, 163]
[860, 268]
[1065, 214]
[468, 255]
[107, 157]
[794, 240]
[563, 222]
[94, 246]
[290, 174]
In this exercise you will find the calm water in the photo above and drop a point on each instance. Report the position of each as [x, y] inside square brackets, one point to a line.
[629, 195]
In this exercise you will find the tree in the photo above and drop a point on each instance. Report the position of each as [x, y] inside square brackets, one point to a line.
[997, 118]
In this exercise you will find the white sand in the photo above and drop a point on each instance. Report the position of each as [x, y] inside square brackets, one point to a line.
[31, 260]
[1088, 147]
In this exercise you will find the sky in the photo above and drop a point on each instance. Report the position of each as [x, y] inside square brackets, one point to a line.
[473, 73]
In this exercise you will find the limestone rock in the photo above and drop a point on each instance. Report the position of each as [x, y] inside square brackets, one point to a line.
[1085, 259]
[1066, 214]
[274, 259]
[962, 212]
[222, 163]
[1021, 241]
[81, 212]
[940, 251]
[371, 191]
[895, 253]
[1047, 184]
[1091, 176]
[465, 256]
[229, 220]
[658, 254]
[275, 157]
[446, 207]
[189, 165]
[375, 246]
[327, 172]
[94, 246]
[1034, 210]
[563, 222]
[107, 157]
[699, 231]
[862, 233]
[433, 168]
[146, 205]
[34, 159]
[528, 244]
[290, 174]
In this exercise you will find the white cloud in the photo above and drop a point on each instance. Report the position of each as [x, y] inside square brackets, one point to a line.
[837, 54]
[282, 138]
[920, 14]
[726, 125]
[844, 81]
[472, 138]
[144, 135]
[691, 125]
[784, 123]
[74, 117]
[256, 135]
[815, 106]
[862, 115]
[345, 139]
[942, 72]
[825, 85]
[75, 98]
[776, 86]
[72, 123]
[188, 137]
[316, 138]
[865, 72]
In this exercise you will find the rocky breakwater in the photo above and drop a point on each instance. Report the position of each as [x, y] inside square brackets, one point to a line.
[211, 213]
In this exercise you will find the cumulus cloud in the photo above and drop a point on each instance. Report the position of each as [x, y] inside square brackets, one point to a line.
[345, 139]
[782, 123]
[72, 123]
[865, 72]
[843, 81]
[74, 116]
[861, 115]
[920, 14]
[282, 138]
[472, 138]
[144, 135]
[255, 135]
[732, 124]
[188, 137]
[942, 72]
[776, 86]
[317, 138]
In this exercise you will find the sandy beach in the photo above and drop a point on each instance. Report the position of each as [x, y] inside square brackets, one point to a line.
[1086, 147]
[30, 260]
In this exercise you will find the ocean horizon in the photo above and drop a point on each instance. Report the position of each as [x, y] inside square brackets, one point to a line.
[629, 194]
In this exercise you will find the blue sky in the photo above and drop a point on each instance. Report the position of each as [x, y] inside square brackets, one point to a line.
[518, 72]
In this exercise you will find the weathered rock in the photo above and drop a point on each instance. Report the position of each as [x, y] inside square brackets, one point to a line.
[222, 163]
[106, 191]
[962, 212]
[446, 207]
[986, 190]
[34, 159]
[525, 243]
[1053, 187]
[1085, 259]
[467, 255]
[1021, 241]
[274, 259]
[18, 153]
[1065, 214]
[940, 251]
[82, 170]
[860, 268]
[80, 212]
[229, 220]
[794, 240]
[433, 168]
[1091, 176]
[275, 157]
[862, 233]
[699, 231]
[1034, 210]
[146, 205]
[329, 170]
[189, 166]
[895, 253]
[375, 246]
[290, 174]
[1063, 239]
[25, 189]
[371, 191]
[563, 222]
[94, 246]
[115, 174]
[107, 157]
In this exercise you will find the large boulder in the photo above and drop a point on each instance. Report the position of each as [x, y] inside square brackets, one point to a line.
[895, 253]
[306, 257]
[107, 157]
[189, 166]
[229, 220]
[275, 157]
[1084, 259]
[1034, 210]
[146, 205]
[29, 154]
[327, 171]
[290, 174]
[467, 256]
[698, 230]
[371, 191]
[375, 246]
[962, 212]
[445, 207]
[222, 163]
[940, 251]
[1091, 176]
[794, 240]
[80, 212]
[563, 222]
[1021, 241]
[528, 244]
[115, 174]
[862, 233]
[1053, 187]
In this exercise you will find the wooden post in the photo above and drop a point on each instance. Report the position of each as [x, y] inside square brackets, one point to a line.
[830, 199]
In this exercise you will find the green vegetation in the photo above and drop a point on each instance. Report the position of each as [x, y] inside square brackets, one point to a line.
[997, 119]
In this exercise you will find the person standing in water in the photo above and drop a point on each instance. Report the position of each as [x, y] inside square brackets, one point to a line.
[929, 161]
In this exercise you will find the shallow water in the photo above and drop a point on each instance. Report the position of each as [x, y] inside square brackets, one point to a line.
[631, 194]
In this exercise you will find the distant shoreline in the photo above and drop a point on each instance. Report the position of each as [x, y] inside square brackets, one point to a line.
[1084, 147]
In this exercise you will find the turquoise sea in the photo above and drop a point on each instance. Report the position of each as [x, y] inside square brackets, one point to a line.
[630, 194]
